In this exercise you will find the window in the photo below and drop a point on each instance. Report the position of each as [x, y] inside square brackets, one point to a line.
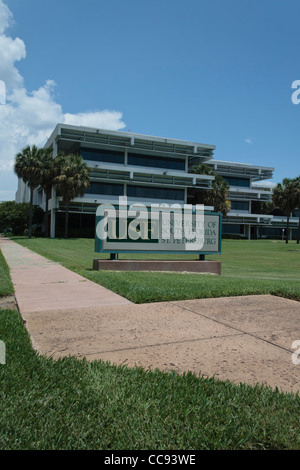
[105, 188]
[98, 155]
[296, 213]
[240, 205]
[236, 181]
[149, 192]
[156, 162]
[232, 229]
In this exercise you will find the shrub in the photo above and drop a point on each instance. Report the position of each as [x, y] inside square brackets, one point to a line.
[14, 216]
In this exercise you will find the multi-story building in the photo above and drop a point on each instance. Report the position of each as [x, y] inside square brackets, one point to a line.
[151, 169]
[250, 216]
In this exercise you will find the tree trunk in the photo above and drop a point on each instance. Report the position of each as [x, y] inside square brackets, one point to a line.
[67, 220]
[46, 217]
[287, 229]
[30, 214]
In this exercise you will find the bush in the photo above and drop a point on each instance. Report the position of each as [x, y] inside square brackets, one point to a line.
[14, 216]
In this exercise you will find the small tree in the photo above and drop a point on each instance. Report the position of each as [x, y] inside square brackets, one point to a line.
[71, 180]
[285, 197]
[28, 167]
[218, 195]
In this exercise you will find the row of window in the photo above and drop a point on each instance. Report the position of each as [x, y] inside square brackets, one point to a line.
[156, 162]
[237, 181]
[108, 156]
[237, 229]
[144, 192]
[240, 205]
[155, 193]
[136, 191]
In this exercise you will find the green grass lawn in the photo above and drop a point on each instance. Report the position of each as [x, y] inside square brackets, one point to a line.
[73, 404]
[76, 404]
[6, 287]
[248, 267]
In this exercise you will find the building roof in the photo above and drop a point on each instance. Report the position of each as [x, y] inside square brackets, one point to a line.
[255, 172]
[69, 135]
[71, 138]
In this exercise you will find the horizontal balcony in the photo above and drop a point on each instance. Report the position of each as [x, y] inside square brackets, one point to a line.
[247, 218]
[256, 173]
[250, 194]
[67, 136]
[260, 219]
[120, 174]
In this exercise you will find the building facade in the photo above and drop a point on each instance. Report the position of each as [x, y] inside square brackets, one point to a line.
[151, 169]
[249, 196]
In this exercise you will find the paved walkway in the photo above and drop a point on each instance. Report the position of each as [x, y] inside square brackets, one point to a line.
[43, 284]
[243, 339]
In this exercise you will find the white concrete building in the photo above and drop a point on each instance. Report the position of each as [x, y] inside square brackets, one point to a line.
[151, 169]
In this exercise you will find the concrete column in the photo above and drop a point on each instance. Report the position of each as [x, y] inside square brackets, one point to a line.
[52, 223]
[249, 232]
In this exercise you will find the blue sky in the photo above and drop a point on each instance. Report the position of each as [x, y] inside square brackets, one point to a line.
[207, 71]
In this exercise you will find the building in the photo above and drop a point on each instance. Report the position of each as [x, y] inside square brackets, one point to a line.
[151, 169]
[248, 195]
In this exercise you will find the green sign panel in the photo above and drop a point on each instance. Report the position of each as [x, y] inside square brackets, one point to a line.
[164, 229]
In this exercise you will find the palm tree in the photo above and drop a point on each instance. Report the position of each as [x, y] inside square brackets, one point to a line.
[285, 197]
[297, 188]
[217, 196]
[28, 167]
[71, 180]
[48, 174]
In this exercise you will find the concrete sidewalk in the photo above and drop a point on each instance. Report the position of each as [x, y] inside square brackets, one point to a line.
[41, 284]
[243, 339]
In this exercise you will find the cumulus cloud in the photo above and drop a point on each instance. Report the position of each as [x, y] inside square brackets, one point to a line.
[29, 117]
[103, 119]
[11, 51]
[6, 17]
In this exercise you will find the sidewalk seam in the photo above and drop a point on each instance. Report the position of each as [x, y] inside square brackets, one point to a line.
[234, 328]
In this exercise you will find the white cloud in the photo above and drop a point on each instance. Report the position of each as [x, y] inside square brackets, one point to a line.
[101, 119]
[249, 141]
[30, 117]
[11, 50]
[6, 17]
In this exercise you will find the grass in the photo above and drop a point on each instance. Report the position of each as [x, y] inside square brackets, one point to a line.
[6, 287]
[76, 404]
[248, 268]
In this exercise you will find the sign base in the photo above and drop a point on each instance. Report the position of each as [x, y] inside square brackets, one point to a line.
[194, 266]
